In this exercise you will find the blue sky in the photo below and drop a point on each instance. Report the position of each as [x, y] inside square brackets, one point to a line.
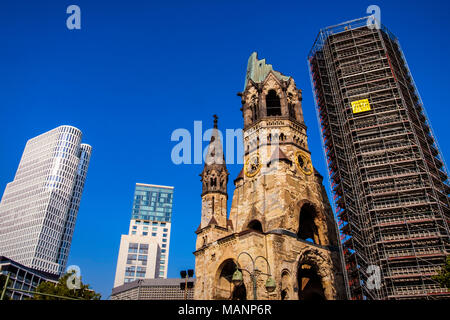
[138, 70]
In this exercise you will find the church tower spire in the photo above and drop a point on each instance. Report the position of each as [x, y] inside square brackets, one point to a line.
[214, 178]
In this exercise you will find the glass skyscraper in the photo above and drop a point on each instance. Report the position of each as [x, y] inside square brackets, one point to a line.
[144, 251]
[39, 208]
[152, 203]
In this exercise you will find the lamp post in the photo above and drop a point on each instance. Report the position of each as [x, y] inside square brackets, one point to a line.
[186, 285]
[237, 278]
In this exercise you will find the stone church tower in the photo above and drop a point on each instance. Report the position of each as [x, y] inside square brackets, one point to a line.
[280, 216]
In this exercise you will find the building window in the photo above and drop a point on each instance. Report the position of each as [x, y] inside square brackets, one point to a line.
[131, 258]
[273, 104]
[154, 234]
[132, 248]
[164, 240]
[143, 248]
[140, 272]
[143, 260]
[144, 233]
[163, 245]
[133, 232]
[164, 234]
[165, 230]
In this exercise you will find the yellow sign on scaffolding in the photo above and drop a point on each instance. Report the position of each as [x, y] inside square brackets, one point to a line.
[360, 106]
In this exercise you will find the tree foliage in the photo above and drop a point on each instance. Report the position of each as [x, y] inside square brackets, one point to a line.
[443, 277]
[61, 289]
[2, 285]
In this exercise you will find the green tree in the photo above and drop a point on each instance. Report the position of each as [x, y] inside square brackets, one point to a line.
[2, 285]
[61, 289]
[443, 277]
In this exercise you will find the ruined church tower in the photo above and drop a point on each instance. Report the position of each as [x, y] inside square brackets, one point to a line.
[280, 222]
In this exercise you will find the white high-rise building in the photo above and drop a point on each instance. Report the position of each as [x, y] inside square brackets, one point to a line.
[144, 251]
[39, 208]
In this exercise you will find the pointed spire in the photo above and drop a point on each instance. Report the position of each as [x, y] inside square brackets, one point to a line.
[215, 153]
[215, 173]
[215, 120]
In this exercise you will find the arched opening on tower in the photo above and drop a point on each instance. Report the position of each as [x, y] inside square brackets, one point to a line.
[255, 225]
[239, 292]
[309, 284]
[291, 106]
[273, 104]
[225, 289]
[285, 293]
[307, 229]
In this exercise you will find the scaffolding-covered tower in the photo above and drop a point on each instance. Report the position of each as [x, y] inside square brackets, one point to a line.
[387, 175]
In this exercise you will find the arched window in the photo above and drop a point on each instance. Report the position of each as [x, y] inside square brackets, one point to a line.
[307, 229]
[309, 284]
[273, 104]
[255, 225]
[291, 106]
[255, 113]
[225, 289]
[285, 286]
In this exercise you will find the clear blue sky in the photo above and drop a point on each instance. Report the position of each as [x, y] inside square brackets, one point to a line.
[137, 70]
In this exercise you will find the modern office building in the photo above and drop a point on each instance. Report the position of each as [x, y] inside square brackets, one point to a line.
[144, 251]
[387, 173]
[153, 289]
[23, 278]
[39, 208]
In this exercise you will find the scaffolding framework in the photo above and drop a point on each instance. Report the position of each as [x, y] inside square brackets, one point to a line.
[389, 181]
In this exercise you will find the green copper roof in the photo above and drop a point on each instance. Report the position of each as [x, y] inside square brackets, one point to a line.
[257, 70]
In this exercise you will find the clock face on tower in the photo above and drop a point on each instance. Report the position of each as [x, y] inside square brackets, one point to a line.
[303, 162]
[252, 165]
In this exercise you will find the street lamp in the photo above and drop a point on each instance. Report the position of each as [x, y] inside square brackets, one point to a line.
[186, 285]
[238, 278]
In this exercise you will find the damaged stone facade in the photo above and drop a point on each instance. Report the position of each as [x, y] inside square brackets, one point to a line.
[280, 212]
